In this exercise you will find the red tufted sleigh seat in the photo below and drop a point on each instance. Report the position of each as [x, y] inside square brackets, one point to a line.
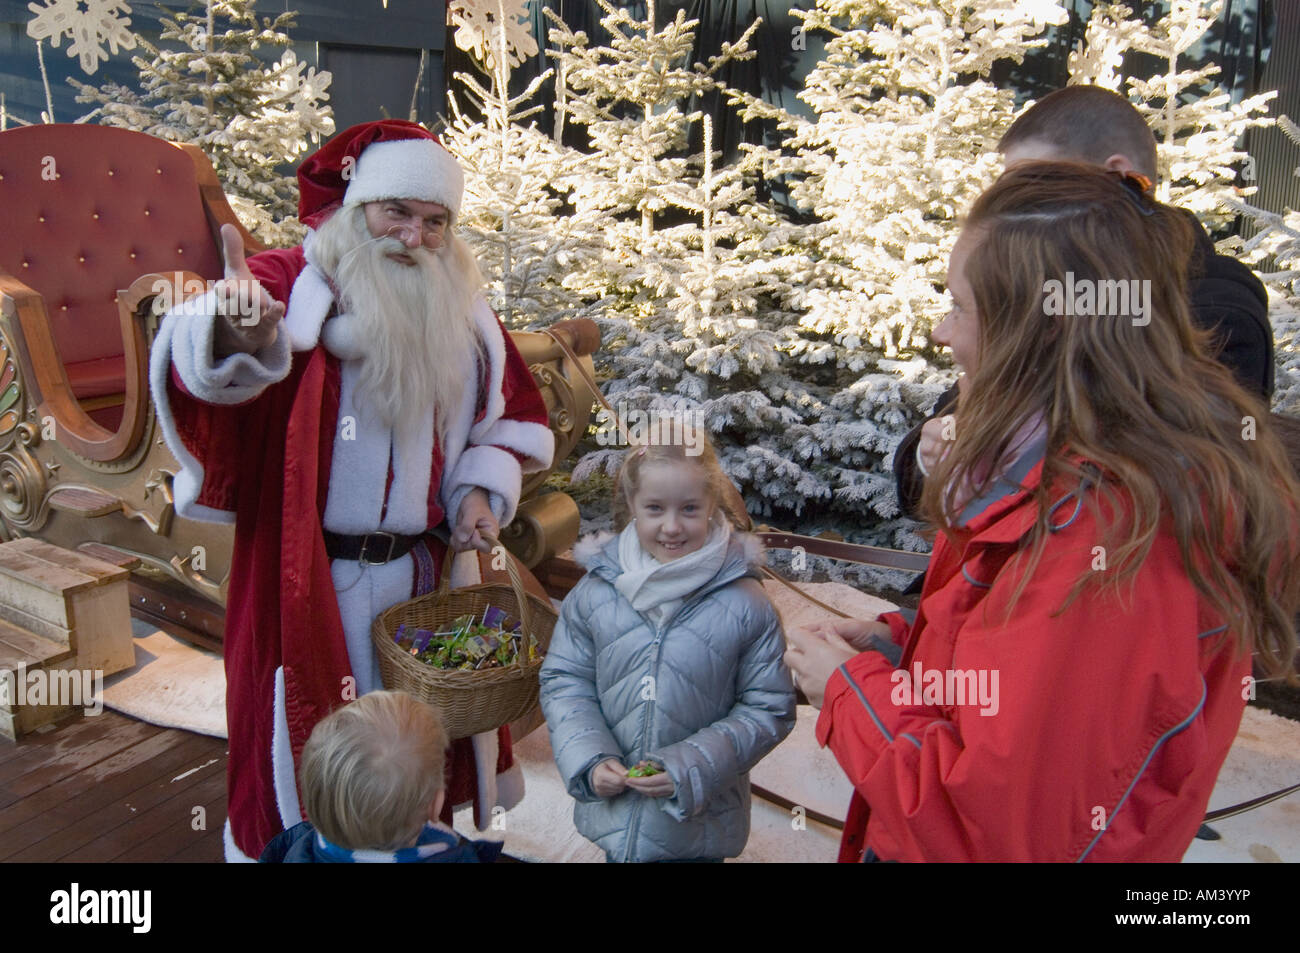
[85, 211]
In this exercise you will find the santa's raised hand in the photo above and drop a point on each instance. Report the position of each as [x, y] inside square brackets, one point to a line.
[248, 318]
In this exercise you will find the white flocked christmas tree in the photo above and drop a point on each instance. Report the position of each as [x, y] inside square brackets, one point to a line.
[799, 333]
[902, 140]
[1198, 128]
[205, 84]
[513, 209]
[1198, 133]
[801, 337]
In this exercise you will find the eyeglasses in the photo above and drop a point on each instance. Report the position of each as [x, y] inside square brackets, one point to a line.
[1138, 188]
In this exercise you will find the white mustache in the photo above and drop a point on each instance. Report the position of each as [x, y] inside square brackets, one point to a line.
[388, 245]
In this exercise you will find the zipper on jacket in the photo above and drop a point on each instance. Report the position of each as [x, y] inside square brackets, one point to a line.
[647, 721]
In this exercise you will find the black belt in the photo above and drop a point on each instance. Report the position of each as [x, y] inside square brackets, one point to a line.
[372, 549]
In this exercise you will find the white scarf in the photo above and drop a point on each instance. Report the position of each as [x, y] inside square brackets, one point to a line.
[657, 590]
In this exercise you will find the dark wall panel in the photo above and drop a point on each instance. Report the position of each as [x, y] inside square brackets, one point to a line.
[378, 83]
[405, 27]
[1276, 156]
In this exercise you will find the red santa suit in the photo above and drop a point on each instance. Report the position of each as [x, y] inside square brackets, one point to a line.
[279, 443]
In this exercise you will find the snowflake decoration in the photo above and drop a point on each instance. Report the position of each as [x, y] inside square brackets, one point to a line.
[301, 94]
[478, 24]
[100, 21]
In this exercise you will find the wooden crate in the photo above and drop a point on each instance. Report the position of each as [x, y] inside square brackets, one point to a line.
[61, 613]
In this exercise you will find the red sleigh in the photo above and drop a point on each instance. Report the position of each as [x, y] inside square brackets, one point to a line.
[98, 224]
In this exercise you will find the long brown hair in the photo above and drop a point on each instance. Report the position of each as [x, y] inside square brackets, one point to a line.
[1180, 447]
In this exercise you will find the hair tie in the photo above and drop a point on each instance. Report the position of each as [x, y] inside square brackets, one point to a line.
[1138, 188]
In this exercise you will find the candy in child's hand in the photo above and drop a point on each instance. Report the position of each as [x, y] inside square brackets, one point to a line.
[644, 769]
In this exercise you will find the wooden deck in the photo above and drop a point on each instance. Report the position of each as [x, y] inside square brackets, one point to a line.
[109, 788]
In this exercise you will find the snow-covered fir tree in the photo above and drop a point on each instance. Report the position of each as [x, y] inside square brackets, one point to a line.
[205, 84]
[902, 139]
[803, 343]
[1198, 128]
[631, 227]
[513, 212]
[1198, 133]
[681, 253]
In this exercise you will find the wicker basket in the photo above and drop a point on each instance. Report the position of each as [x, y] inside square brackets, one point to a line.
[469, 702]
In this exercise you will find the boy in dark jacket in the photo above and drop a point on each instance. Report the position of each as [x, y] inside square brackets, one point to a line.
[1094, 125]
[372, 786]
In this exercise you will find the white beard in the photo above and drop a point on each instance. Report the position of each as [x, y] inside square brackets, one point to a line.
[420, 345]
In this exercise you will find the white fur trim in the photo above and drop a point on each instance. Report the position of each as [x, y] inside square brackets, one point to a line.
[586, 549]
[310, 301]
[282, 773]
[510, 787]
[236, 378]
[494, 346]
[492, 469]
[755, 551]
[233, 854]
[408, 497]
[486, 748]
[187, 483]
[535, 441]
[359, 467]
[465, 433]
[343, 337]
[419, 169]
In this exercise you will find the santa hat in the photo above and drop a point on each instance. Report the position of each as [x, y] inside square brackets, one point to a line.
[386, 159]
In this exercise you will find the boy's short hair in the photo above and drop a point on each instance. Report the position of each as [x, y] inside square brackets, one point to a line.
[1086, 124]
[371, 769]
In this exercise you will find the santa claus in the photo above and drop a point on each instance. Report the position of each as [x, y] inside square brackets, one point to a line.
[347, 404]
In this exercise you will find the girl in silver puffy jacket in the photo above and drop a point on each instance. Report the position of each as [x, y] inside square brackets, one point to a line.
[664, 682]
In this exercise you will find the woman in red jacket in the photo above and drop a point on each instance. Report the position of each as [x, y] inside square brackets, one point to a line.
[1117, 534]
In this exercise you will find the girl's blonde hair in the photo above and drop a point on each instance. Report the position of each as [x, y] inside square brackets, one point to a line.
[675, 440]
[371, 769]
[1179, 446]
